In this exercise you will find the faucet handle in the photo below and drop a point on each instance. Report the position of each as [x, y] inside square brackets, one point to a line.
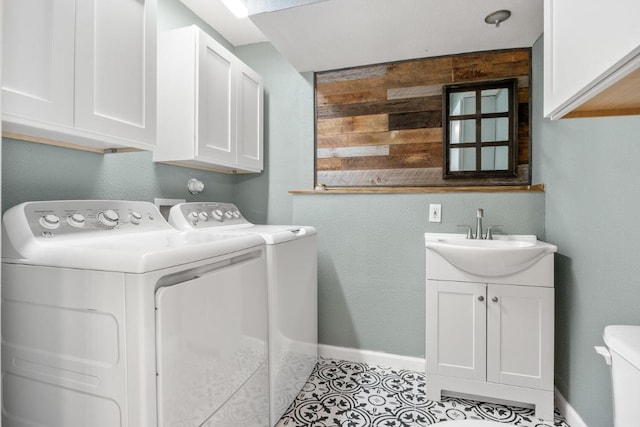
[489, 235]
[469, 231]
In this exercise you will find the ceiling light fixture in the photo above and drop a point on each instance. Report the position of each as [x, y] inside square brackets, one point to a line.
[237, 7]
[497, 17]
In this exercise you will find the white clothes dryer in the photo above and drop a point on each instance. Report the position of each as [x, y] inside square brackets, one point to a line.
[292, 266]
[110, 317]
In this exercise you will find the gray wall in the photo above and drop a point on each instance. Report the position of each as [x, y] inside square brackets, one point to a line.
[371, 259]
[590, 169]
[33, 171]
[288, 137]
[371, 249]
[371, 269]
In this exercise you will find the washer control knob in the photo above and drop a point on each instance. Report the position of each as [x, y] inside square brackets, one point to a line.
[76, 220]
[135, 217]
[217, 215]
[228, 215]
[237, 214]
[193, 217]
[50, 221]
[203, 216]
[108, 218]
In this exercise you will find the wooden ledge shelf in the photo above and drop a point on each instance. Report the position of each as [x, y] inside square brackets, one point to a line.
[414, 190]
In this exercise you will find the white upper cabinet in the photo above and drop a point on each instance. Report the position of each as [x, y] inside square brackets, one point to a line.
[210, 105]
[249, 108]
[216, 102]
[81, 72]
[591, 62]
[37, 73]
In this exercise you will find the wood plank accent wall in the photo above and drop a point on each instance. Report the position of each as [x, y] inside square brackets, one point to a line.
[381, 125]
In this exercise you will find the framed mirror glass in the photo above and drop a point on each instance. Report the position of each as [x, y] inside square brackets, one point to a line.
[480, 123]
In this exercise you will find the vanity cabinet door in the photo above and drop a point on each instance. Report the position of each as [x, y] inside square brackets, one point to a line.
[456, 329]
[115, 69]
[37, 70]
[520, 323]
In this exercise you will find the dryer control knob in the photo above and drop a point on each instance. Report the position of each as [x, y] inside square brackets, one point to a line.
[217, 215]
[203, 216]
[237, 214]
[193, 217]
[76, 220]
[228, 215]
[50, 221]
[135, 217]
[108, 218]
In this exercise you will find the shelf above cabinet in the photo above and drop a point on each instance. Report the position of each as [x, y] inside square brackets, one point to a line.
[622, 98]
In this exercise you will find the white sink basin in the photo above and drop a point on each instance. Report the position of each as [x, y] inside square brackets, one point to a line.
[499, 257]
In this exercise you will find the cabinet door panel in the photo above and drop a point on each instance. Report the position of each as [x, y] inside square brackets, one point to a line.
[249, 138]
[520, 336]
[115, 82]
[456, 329]
[37, 71]
[575, 34]
[216, 101]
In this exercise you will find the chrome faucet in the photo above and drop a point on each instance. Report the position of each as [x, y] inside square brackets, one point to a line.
[480, 215]
[479, 233]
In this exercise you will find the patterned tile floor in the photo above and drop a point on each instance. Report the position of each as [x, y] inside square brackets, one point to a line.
[347, 394]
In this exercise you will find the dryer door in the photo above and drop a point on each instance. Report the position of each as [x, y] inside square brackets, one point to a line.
[212, 345]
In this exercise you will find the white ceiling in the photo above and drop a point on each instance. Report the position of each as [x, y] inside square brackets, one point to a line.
[337, 34]
[238, 32]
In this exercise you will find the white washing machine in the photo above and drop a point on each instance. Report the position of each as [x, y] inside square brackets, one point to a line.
[292, 265]
[110, 317]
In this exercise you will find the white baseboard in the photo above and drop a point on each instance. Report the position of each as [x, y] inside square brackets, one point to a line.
[567, 411]
[396, 361]
[369, 357]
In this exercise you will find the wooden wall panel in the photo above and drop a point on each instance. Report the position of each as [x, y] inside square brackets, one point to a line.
[381, 125]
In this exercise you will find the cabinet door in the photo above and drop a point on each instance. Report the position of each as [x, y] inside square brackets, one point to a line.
[249, 126]
[456, 329]
[37, 70]
[215, 91]
[520, 336]
[116, 69]
[584, 53]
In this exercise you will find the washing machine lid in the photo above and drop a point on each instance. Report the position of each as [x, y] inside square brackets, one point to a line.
[136, 239]
[272, 234]
[624, 340]
[225, 218]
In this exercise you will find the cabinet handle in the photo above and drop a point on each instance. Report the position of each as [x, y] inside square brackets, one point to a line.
[494, 299]
[480, 298]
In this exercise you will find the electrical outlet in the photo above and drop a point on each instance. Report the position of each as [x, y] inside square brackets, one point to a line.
[435, 213]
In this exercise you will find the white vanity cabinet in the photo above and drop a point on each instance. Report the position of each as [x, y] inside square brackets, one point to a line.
[210, 105]
[497, 333]
[591, 63]
[81, 72]
[491, 336]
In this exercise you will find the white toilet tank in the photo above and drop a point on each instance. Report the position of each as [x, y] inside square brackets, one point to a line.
[624, 348]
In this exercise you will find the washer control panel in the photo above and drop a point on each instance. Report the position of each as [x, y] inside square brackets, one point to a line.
[70, 217]
[199, 215]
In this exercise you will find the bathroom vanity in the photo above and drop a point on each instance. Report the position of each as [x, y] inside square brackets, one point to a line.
[490, 319]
